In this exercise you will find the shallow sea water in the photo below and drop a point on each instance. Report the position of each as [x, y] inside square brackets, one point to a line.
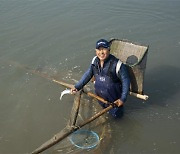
[58, 38]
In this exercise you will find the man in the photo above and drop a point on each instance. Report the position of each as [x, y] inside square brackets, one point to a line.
[111, 78]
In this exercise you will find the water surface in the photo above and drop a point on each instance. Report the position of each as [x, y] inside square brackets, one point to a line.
[58, 38]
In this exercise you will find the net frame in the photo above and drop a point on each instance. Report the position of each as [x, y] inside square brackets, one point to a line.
[89, 135]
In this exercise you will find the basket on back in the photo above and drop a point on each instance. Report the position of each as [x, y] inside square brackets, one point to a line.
[135, 57]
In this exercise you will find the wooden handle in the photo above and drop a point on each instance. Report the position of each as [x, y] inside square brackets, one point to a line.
[144, 97]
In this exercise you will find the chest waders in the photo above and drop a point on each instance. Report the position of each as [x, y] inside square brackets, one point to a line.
[110, 90]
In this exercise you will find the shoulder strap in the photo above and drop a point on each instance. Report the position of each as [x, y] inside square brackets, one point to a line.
[93, 60]
[95, 68]
[118, 66]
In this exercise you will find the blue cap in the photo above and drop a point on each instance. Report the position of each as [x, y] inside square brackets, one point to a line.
[102, 43]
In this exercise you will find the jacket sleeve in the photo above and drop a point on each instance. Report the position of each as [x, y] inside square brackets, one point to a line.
[85, 78]
[125, 80]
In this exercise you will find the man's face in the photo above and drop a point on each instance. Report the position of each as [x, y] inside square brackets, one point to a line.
[102, 53]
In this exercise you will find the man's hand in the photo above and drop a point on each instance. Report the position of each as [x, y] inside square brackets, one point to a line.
[118, 102]
[74, 90]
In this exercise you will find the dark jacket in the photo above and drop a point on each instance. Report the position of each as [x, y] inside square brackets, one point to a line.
[109, 69]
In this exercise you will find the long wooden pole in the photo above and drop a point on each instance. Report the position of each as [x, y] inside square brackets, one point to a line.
[144, 97]
[67, 131]
[140, 96]
[77, 109]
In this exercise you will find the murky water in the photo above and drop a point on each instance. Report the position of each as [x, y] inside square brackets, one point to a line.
[58, 38]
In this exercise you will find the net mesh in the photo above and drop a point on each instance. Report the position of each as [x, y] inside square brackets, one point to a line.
[93, 137]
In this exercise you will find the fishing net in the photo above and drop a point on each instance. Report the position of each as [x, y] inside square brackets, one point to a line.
[93, 137]
[135, 57]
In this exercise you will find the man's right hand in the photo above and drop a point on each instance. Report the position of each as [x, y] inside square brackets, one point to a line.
[74, 91]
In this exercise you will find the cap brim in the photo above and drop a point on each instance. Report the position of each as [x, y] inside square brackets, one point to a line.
[102, 45]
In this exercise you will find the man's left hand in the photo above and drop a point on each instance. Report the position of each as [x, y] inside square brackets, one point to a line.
[118, 102]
